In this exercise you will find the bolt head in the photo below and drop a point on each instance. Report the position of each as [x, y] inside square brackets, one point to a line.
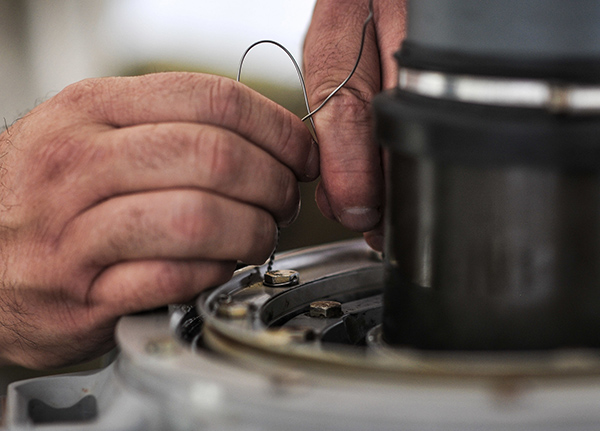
[281, 278]
[327, 309]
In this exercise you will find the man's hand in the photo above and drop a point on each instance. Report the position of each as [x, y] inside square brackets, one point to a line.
[125, 194]
[351, 189]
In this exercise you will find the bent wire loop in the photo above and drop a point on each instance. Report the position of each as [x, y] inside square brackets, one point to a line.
[310, 113]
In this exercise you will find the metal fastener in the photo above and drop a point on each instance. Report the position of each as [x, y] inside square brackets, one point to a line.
[281, 278]
[327, 309]
[232, 310]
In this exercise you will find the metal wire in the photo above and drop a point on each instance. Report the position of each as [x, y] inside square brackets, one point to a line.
[289, 54]
[310, 113]
[339, 87]
[272, 258]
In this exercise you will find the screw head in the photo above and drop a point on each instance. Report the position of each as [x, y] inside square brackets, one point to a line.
[327, 309]
[281, 278]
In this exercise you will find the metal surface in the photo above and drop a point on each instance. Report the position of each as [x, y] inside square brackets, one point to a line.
[493, 177]
[524, 29]
[511, 92]
[494, 257]
[346, 273]
[281, 325]
[162, 380]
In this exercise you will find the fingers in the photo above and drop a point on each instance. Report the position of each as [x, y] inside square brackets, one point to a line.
[350, 165]
[375, 238]
[352, 180]
[198, 98]
[123, 194]
[331, 49]
[130, 287]
[178, 155]
[172, 225]
[390, 26]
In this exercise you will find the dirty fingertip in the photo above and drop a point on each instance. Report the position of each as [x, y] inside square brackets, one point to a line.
[323, 202]
[360, 219]
[311, 169]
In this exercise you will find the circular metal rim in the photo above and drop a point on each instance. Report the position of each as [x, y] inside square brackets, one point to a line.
[249, 340]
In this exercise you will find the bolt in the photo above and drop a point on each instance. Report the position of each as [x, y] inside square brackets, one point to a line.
[327, 309]
[281, 278]
[232, 310]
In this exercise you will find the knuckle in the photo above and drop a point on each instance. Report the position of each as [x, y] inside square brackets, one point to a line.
[220, 229]
[169, 278]
[225, 101]
[194, 219]
[79, 93]
[54, 162]
[289, 140]
[159, 146]
[93, 97]
[347, 104]
[66, 157]
[220, 160]
[288, 145]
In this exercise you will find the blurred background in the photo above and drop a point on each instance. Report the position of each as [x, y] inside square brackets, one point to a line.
[46, 45]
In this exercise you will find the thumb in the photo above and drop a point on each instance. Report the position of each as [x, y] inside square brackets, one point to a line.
[352, 179]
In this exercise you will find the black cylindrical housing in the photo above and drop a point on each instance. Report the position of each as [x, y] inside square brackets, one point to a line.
[551, 39]
[493, 214]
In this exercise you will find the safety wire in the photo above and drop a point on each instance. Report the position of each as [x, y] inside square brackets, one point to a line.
[310, 113]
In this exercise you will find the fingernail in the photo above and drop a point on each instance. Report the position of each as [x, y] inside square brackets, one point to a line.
[294, 217]
[311, 169]
[376, 242]
[276, 244]
[360, 219]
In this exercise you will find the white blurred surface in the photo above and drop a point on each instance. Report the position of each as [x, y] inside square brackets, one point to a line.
[46, 45]
[213, 33]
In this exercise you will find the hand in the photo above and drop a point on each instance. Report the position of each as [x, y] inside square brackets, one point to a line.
[351, 189]
[125, 194]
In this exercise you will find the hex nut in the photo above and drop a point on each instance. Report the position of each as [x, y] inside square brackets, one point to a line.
[281, 278]
[326, 309]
